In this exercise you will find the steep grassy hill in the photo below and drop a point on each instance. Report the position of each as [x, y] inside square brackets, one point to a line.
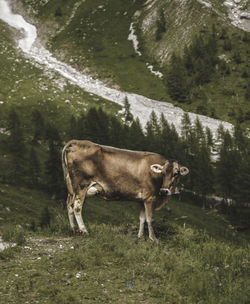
[227, 89]
[93, 36]
[25, 87]
[200, 258]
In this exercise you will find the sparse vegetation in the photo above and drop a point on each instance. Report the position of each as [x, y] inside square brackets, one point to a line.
[113, 266]
[203, 254]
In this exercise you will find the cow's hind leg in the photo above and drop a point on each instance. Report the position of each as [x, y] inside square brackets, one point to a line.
[142, 222]
[149, 218]
[71, 215]
[78, 202]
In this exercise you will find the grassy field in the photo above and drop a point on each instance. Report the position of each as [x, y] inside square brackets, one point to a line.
[199, 259]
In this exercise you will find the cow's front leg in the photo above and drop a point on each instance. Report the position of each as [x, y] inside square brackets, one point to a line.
[149, 218]
[142, 222]
[78, 202]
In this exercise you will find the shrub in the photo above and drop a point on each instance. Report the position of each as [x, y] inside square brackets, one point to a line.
[13, 234]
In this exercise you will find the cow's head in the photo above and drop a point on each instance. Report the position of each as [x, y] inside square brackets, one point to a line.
[170, 173]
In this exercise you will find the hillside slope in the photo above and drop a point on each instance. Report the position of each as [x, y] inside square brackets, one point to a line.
[184, 19]
[199, 257]
[92, 36]
[167, 27]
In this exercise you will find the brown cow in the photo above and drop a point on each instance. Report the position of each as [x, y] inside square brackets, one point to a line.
[145, 177]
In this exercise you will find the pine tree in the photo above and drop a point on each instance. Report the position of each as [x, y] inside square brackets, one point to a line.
[92, 127]
[117, 136]
[204, 176]
[34, 169]
[188, 61]
[209, 138]
[203, 71]
[97, 126]
[169, 140]
[198, 131]
[103, 123]
[186, 126]
[160, 26]
[53, 168]
[17, 149]
[136, 140]
[220, 133]
[176, 79]
[227, 45]
[227, 166]
[240, 141]
[242, 193]
[81, 128]
[39, 128]
[237, 57]
[73, 129]
[152, 133]
[127, 113]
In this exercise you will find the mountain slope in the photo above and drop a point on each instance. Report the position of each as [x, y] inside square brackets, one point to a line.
[92, 36]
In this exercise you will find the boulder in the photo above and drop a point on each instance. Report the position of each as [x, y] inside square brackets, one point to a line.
[245, 15]
[229, 4]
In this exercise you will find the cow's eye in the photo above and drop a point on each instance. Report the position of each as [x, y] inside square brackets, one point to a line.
[176, 173]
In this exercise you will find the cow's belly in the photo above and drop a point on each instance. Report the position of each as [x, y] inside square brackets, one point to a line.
[108, 191]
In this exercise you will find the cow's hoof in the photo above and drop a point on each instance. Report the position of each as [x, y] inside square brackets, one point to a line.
[83, 232]
[73, 231]
[154, 239]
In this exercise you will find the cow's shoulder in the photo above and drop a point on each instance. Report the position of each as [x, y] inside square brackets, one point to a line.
[154, 158]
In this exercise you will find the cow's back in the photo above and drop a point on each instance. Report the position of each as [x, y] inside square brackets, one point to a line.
[127, 173]
[120, 172]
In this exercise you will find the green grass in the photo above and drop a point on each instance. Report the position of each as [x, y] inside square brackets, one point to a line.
[25, 87]
[113, 267]
[96, 38]
[198, 258]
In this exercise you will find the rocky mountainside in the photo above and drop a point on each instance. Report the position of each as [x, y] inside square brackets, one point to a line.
[184, 19]
[128, 45]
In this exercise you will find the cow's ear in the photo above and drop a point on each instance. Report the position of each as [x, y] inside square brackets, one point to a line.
[156, 168]
[184, 170]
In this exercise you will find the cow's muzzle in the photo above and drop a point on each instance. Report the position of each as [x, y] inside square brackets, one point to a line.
[165, 192]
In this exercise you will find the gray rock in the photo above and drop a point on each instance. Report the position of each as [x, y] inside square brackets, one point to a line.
[245, 15]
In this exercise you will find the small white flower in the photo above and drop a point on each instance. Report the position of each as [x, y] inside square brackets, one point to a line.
[78, 275]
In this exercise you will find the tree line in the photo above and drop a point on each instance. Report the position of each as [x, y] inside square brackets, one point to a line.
[217, 165]
[211, 55]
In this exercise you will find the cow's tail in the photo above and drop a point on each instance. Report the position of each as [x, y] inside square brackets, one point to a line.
[66, 169]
